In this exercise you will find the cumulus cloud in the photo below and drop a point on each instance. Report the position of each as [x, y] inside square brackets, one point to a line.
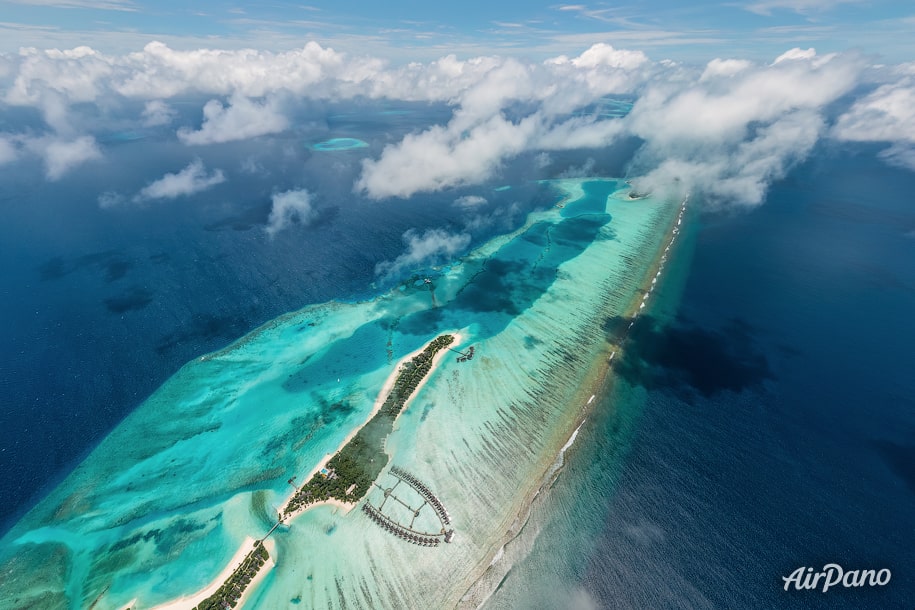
[157, 112]
[240, 120]
[729, 139]
[443, 157]
[423, 249]
[727, 128]
[724, 67]
[61, 155]
[289, 208]
[886, 115]
[602, 54]
[190, 180]
[471, 147]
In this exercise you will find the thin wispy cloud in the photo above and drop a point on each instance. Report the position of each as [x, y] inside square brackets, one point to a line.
[99, 5]
[423, 250]
[767, 7]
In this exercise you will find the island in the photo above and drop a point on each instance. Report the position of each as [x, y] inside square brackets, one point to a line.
[342, 479]
[348, 475]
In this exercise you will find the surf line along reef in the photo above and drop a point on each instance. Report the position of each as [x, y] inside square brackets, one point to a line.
[346, 477]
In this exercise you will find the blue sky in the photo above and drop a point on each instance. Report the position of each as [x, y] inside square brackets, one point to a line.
[410, 29]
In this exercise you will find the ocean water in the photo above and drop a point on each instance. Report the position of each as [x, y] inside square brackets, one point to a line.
[761, 420]
[101, 306]
[159, 507]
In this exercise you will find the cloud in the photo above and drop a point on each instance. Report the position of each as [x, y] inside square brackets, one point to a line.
[724, 68]
[101, 5]
[443, 157]
[726, 129]
[8, 151]
[728, 140]
[240, 120]
[765, 7]
[157, 112]
[428, 248]
[602, 54]
[480, 136]
[111, 199]
[62, 155]
[190, 180]
[469, 201]
[885, 115]
[288, 208]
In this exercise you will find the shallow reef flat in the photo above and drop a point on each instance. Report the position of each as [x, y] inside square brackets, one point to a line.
[163, 503]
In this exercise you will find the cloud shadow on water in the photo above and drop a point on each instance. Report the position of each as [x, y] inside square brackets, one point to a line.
[112, 264]
[133, 299]
[203, 328]
[689, 359]
[901, 460]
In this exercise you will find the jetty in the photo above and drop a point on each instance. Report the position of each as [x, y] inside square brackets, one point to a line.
[405, 531]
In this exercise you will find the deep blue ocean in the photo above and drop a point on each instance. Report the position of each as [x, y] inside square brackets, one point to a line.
[769, 410]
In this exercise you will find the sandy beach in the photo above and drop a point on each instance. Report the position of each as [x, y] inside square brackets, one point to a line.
[376, 407]
[189, 601]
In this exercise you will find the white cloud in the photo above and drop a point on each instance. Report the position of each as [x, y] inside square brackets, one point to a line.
[886, 115]
[61, 155]
[288, 208]
[8, 151]
[431, 247]
[103, 5]
[724, 67]
[157, 112]
[900, 155]
[111, 199]
[469, 201]
[190, 180]
[442, 157]
[240, 120]
[765, 7]
[602, 54]
[702, 119]
[479, 137]
[795, 53]
[729, 138]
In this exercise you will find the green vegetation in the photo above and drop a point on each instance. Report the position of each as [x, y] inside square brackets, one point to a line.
[230, 592]
[352, 469]
[361, 460]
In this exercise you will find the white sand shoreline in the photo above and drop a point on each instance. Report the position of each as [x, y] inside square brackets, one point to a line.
[376, 407]
[190, 601]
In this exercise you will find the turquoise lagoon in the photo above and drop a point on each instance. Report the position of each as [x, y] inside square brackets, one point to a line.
[339, 144]
[163, 503]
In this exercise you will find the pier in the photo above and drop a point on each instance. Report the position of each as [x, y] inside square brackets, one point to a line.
[464, 356]
[407, 531]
